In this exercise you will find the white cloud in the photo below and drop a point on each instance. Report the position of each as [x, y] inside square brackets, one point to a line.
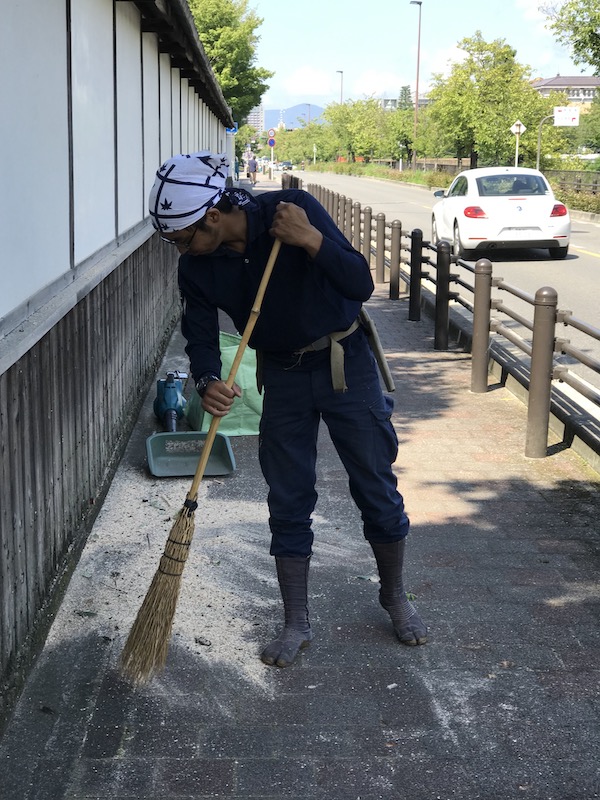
[531, 10]
[441, 61]
[373, 83]
[310, 82]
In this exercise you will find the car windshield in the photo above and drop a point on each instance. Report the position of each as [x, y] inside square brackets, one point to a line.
[510, 185]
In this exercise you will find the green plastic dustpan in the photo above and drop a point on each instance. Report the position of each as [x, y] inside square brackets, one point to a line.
[176, 454]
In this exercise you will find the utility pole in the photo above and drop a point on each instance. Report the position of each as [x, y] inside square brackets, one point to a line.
[417, 3]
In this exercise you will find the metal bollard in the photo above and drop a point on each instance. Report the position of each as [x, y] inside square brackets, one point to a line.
[380, 248]
[416, 261]
[395, 254]
[540, 383]
[341, 212]
[481, 326]
[348, 219]
[442, 296]
[366, 243]
[356, 226]
[335, 207]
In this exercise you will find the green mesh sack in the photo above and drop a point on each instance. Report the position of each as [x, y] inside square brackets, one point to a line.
[244, 417]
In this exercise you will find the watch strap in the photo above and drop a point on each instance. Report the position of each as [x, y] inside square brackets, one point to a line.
[202, 384]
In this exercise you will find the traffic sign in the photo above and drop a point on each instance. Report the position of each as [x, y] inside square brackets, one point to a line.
[518, 128]
[271, 132]
[271, 142]
[565, 116]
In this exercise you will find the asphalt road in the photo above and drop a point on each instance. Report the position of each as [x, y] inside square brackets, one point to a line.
[576, 279]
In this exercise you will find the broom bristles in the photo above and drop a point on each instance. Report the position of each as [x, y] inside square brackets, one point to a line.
[146, 648]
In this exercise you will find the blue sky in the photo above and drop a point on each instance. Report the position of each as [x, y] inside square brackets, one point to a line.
[306, 43]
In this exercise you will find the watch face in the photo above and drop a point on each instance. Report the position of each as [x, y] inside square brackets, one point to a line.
[203, 383]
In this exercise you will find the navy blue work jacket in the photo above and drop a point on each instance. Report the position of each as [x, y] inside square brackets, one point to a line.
[305, 299]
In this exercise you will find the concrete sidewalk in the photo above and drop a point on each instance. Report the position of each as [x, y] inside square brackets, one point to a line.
[503, 557]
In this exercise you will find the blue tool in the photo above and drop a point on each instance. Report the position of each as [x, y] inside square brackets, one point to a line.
[169, 402]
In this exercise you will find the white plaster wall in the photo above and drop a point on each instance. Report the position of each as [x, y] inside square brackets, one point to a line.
[34, 180]
[185, 100]
[130, 150]
[81, 138]
[93, 126]
[176, 115]
[166, 131]
[152, 157]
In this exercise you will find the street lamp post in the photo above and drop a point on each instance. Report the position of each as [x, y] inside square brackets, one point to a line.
[539, 142]
[341, 72]
[417, 3]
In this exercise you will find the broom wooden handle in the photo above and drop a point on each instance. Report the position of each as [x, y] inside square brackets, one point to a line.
[214, 424]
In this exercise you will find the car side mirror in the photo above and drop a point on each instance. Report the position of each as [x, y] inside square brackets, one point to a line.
[440, 193]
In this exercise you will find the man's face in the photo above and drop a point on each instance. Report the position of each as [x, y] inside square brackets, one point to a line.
[197, 241]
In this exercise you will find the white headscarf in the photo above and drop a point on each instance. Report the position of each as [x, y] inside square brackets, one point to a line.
[186, 186]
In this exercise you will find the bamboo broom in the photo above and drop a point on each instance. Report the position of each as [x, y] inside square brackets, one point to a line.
[146, 648]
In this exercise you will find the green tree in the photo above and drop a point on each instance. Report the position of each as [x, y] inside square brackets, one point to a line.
[300, 144]
[451, 115]
[473, 110]
[576, 24]
[245, 135]
[399, 133]
[433, 139]
[589, 128]
[367, 122]
[227, 30]
[339, 117]
[405, 100]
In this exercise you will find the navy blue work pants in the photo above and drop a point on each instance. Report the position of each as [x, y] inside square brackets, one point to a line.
[359, 424]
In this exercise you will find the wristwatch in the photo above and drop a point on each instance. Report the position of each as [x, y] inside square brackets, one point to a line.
[202, 384]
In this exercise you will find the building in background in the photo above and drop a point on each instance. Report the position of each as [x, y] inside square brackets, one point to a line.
[393, 103]
[256, 118]
[580, 89]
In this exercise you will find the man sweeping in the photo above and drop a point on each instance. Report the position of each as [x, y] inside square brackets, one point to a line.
[314, 363]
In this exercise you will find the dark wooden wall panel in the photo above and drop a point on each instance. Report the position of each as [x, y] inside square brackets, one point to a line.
[66, 409]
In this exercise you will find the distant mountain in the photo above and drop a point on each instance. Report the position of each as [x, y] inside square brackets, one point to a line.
[294, 117]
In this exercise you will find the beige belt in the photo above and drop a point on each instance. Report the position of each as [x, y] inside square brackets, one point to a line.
[333, 340]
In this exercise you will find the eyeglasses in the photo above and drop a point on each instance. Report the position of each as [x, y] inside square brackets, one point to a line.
[185, 246]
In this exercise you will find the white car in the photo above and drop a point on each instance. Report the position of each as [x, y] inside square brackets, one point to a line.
[501, 207]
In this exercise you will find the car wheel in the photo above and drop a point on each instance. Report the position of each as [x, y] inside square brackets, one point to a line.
[457, 248]
[434, 234]
[558, 252]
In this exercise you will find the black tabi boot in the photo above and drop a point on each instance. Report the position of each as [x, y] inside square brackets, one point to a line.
[407, 623]
[292, 574]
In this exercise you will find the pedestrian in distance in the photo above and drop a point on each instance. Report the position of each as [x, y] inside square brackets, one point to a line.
[252, 167]
[315, 363]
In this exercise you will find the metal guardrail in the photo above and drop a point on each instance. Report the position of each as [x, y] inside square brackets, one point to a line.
[399, 257]
[575, 180]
